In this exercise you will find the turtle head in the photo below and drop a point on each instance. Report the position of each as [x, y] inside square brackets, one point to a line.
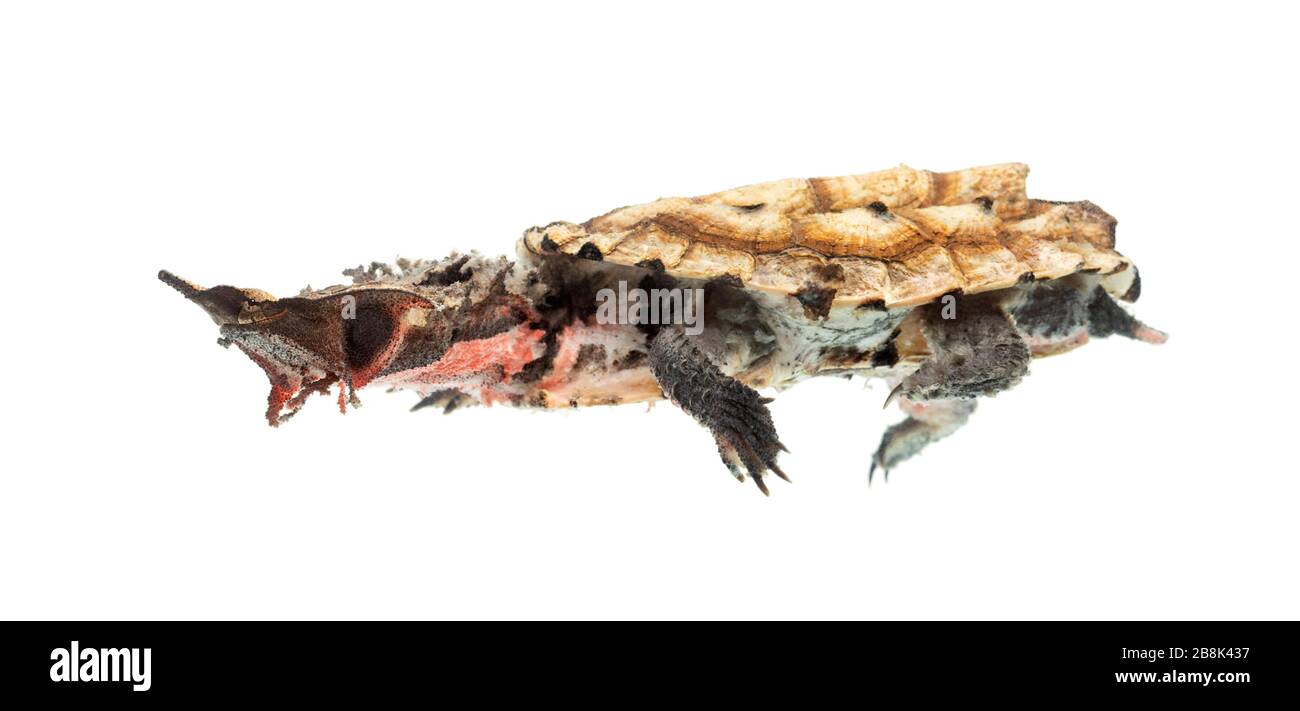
[403, 329]
[225, 304]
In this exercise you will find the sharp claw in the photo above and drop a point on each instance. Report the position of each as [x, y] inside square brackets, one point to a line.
[893, 395]
[876, 463]
[758, 479]
[766, 400]
[777, 470]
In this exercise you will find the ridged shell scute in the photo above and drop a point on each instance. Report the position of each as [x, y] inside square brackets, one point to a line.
[898, 237]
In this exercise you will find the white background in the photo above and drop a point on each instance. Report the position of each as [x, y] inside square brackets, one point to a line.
[273, 144]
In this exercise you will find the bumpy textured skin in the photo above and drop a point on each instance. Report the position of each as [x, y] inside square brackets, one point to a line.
[977, 353]
[735, 413]
[943, 284]
[454, 325]
[900, 237]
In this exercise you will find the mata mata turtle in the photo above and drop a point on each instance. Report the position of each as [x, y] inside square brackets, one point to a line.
[944, 284]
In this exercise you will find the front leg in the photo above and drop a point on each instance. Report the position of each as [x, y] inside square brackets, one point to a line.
[976, 353]
[734, 412]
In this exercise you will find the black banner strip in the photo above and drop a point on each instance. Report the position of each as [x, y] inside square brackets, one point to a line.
[644, 662]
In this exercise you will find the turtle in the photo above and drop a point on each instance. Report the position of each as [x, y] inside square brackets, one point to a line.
[944, 284]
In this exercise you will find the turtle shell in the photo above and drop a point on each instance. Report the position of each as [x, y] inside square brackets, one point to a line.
[898, 237]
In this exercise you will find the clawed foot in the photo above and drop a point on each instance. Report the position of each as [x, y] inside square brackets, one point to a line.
[747, 440]
[734, 412]
[899, 442]
[448, 400]
[926, 423]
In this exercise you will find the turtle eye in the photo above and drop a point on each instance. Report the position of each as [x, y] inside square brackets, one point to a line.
[367, 334]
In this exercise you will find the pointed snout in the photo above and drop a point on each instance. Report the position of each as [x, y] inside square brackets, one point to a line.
[224, 304]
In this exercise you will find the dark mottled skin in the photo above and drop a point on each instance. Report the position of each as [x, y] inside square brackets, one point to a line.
[367, 334]
[1051, 310]
[496, 313]
[977, 353]
[886, 356]
[1108, 318]
[590, 357]
[735, 413]
[592, 252]
[453, 273]
[816, 300]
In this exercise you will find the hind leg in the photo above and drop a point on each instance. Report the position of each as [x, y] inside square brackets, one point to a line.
[1056, 317]
[926, 422]
[1105, 318]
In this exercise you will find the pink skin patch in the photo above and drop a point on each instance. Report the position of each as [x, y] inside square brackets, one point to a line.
[473, 363]
[1039, 347]
[1146, 334]
[565, 357]
[913, 408]
[564, 382]
[934, 411]
[479, 367]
